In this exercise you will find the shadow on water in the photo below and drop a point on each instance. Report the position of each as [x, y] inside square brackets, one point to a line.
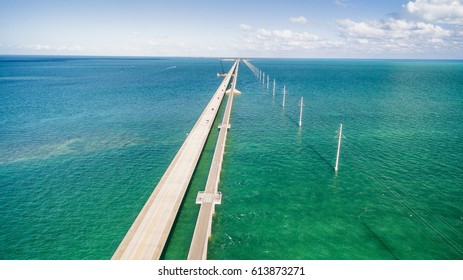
[296, 122]
[380, 241]
[331, 166]
[287, 116]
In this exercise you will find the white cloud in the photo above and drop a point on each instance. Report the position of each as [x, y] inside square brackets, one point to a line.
[299, 20]
[391, 29]
[153, 43]
[280, 40]
[245, 27]
[361, 29]
[363, 41]
[37, 47]
[393, 35]
[374, 38]
[441, 11]
[283, 34]
[264, 32]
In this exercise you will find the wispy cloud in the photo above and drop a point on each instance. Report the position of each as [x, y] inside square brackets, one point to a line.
[46, 47]
[341, 3]
[245, 27]
[299, 20]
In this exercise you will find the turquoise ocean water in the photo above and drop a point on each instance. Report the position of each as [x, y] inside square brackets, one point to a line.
[84, 140]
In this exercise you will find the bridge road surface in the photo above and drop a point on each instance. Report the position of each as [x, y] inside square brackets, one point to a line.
[147, 236]
[211, 196]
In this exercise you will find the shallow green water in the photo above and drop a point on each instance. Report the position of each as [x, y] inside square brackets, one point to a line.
[85, 140]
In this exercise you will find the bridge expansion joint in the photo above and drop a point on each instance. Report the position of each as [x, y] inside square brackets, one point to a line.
[227, 126]
[205, 197]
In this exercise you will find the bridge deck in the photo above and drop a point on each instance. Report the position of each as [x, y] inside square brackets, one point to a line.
[198, 248]
[149, 232]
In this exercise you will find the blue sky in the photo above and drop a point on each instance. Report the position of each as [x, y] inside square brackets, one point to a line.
[257, 28]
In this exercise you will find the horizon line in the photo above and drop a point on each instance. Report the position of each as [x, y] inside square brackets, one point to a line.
[222, 57]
